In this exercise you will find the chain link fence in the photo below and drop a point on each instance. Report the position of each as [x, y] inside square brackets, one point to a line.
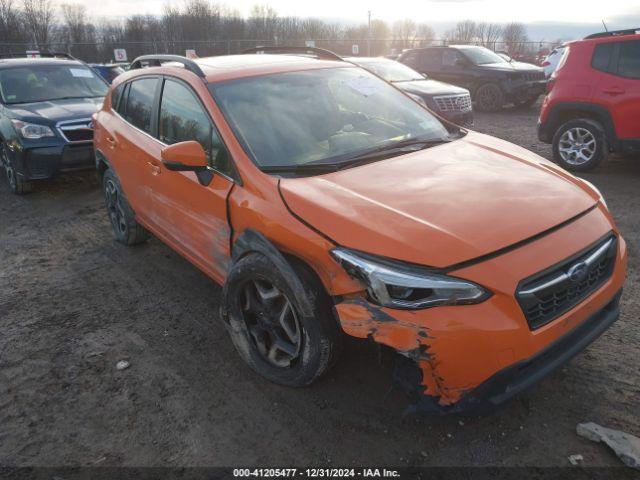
[102, 52]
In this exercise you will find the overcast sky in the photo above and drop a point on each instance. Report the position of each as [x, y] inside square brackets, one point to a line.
[617, 13]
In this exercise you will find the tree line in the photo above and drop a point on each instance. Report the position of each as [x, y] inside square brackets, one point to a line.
[213, 28]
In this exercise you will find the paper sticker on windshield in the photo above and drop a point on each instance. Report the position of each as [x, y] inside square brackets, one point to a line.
[81, 72]
[364, 85]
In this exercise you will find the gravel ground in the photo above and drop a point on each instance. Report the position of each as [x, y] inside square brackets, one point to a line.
[73, 303]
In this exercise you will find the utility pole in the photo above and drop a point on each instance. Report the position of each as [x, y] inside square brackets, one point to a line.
[369, 36]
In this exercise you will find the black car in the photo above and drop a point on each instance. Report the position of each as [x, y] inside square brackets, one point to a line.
[451, 102]
[108, 71]
[492, 80]
[46, 106]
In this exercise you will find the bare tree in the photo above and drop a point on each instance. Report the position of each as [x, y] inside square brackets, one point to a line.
[39, 17]
[464, 32]
[404, 33]
[488, 34]
[11, 24]
[514, 36]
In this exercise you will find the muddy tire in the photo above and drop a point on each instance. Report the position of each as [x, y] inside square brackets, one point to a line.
[268, 329]
[17, 184]
[127, 230]
[580, 145]
[489, 97]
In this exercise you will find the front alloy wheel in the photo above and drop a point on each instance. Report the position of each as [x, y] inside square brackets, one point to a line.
[16, 184]
[272, 322]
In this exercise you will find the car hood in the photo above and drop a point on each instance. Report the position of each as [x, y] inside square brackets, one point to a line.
[512, 67]
[429, 87]
[54, 111]
[440, 206]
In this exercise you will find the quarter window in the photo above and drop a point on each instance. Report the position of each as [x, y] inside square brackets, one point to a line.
[140, 103]
[183, 118]
[602, 57]
[629, 62]
[115, 95]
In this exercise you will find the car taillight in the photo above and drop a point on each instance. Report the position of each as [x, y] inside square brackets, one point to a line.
[550, 83]
[545, 64]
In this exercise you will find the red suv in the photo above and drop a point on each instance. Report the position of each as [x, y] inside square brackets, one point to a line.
[593, 101]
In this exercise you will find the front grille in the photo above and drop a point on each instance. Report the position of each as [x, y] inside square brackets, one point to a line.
[533, 76]
[77, 130]
[549, 294]
[454, 103]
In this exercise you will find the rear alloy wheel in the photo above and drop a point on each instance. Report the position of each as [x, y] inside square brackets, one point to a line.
[489, 98]
[16, 183]
[579, 145]
[125, 226]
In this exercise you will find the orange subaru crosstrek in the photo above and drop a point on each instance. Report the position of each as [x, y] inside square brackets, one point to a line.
[327, 202]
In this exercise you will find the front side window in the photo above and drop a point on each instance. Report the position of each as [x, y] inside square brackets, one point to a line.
[450, 58]
[39, 83]
[629, 62]
[139, 103]
[321, 116]
[183, 118]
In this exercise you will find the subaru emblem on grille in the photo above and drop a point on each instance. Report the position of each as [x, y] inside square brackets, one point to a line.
[578, 272]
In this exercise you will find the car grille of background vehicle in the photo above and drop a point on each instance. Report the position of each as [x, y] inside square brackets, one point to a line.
[549, 294]
[454, 103]
[77, 131]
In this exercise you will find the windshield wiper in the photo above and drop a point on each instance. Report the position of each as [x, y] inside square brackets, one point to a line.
[303, 168]
[383, 151]
[392, 150]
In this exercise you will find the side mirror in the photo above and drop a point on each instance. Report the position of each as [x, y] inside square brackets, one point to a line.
[186, 156]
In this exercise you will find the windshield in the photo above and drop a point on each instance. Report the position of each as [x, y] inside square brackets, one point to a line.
[326, 115]
[389, 70]
[482, 55]
[37, 83]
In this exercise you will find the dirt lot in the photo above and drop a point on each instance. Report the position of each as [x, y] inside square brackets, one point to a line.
[73, 302]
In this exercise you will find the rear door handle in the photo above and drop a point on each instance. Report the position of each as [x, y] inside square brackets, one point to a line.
[614, 90]
[155, 168]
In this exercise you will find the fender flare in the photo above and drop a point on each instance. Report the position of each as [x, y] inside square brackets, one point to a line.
[252, 241]
[601, 114]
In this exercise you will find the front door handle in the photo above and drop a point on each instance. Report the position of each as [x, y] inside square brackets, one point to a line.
[155, 168]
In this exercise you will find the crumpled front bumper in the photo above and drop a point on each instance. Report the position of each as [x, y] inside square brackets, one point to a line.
[471, 357]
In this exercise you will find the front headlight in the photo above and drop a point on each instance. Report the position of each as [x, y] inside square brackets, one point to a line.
[418, 99]
[32, 131]
[397, 285]
[595, 189]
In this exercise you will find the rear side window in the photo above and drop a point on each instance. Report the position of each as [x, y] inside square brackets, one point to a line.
[602, 56]
[182, 118]
[139, 103]
[629, 60]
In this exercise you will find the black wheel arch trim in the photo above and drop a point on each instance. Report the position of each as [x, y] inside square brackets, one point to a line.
[554, 120]
[252, 241]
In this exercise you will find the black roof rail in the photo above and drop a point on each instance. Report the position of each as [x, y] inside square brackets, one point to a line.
[66, 55]
[613, 33]
[157, 60]
[318, 52]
